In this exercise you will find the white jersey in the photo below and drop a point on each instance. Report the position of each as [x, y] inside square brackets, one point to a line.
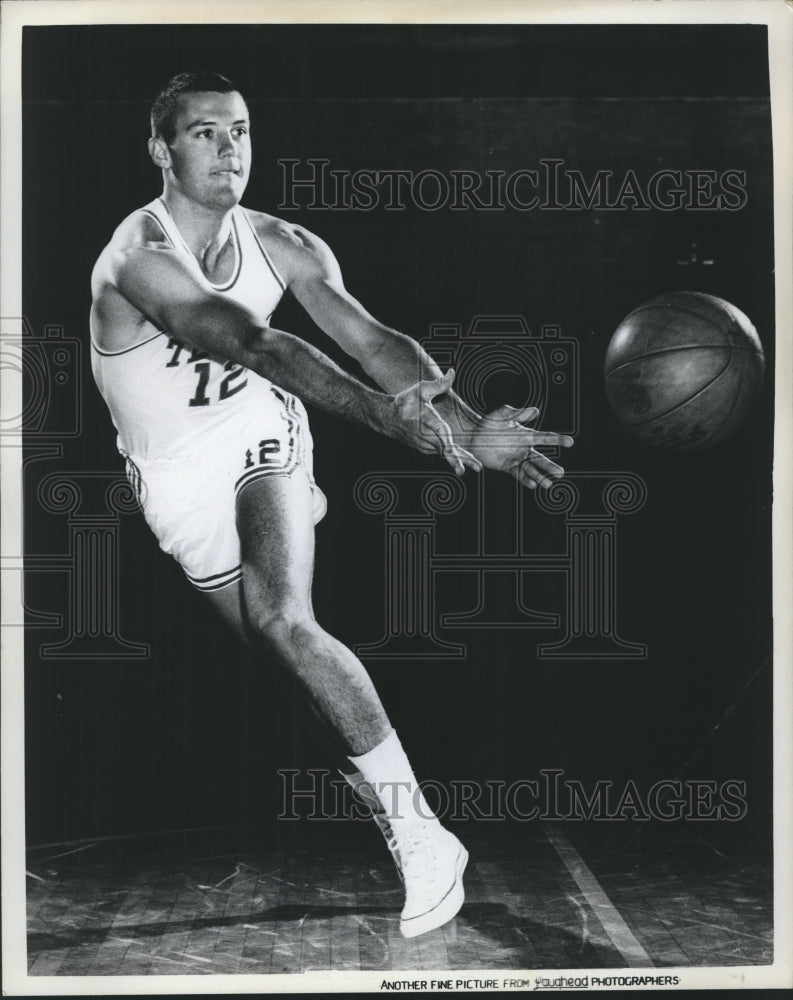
[165, 398]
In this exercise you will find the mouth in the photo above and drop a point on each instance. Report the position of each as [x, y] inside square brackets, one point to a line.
[226, 171]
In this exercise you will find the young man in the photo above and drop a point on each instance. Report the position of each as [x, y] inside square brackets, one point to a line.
[205, 396]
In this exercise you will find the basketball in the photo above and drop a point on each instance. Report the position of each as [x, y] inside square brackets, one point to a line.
[683, 370]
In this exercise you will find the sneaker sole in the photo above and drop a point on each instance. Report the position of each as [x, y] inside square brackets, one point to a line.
[443, 912]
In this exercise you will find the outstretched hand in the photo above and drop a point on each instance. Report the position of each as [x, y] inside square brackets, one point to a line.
[502, 441]
[420, 424]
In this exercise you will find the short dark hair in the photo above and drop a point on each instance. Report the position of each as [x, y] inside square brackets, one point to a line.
[166, 104]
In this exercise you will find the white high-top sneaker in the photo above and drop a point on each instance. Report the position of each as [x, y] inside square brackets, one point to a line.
[433, 861]
[366, 795]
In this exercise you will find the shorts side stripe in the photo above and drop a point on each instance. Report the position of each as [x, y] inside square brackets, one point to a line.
[217, 581]
[135, 480]
[300, 436]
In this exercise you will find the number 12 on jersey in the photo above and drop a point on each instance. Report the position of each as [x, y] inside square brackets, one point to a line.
[202, 368]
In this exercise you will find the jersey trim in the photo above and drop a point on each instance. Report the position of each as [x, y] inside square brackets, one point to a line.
[126, 350]
[238, 269]
[140, 343]
[158, 220]
[267, 260]
[232, 281]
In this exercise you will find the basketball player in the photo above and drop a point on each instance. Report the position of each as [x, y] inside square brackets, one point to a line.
[206, 397]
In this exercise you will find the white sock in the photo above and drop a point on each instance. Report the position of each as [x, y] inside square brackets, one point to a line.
[363, 792]
[387, 771]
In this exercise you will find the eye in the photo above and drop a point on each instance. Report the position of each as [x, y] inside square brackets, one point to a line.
[204, 133]
[241, 130]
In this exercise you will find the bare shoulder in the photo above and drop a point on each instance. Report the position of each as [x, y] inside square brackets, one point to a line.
[298, 253]
[138, 230]
[280, 232]
[115, 322]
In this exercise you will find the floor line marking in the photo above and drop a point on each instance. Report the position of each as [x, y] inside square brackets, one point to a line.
[620, 934]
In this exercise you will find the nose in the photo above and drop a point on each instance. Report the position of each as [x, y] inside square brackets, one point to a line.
[226, 143]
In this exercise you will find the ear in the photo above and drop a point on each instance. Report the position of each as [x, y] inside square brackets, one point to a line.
[159, 152]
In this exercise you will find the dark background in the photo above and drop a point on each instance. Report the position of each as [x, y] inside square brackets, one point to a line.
[193, 735]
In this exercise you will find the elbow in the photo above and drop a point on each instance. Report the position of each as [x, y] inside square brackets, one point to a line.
[262, 352]
[372, 352]
[226, 329]
[261, 342]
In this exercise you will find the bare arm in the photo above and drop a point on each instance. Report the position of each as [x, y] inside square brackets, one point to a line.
[390, 358]
[175, 297]
[393, 360]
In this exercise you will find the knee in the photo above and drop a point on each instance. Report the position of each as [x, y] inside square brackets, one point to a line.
[283, 629]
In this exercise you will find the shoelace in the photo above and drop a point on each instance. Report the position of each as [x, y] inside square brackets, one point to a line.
[418, 846]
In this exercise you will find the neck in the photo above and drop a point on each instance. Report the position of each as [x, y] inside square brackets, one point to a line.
[205, 230]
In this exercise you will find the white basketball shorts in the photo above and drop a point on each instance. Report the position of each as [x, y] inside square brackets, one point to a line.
[190, 503]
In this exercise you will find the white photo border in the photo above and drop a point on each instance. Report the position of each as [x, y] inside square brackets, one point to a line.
[776, 14]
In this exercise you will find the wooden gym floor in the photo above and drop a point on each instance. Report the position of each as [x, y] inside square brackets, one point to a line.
[325, 896]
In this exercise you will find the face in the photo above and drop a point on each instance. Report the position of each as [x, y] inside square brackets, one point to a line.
[209, 158]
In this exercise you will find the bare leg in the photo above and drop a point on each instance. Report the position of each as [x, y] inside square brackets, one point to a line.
[228, 604]
[273, 609]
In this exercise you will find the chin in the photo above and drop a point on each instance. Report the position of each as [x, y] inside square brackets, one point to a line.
[227, 199]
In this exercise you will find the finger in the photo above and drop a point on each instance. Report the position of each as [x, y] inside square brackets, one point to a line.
[470, 460]
[441, 429]
[437, 386]
[446, 444]
[502, 413]
[456, 456]
[540, 477]
[523, 478]
[459, 458]
[455, 462]
[533, 479]
[544, 464]
[549, 438]
[527, 415]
